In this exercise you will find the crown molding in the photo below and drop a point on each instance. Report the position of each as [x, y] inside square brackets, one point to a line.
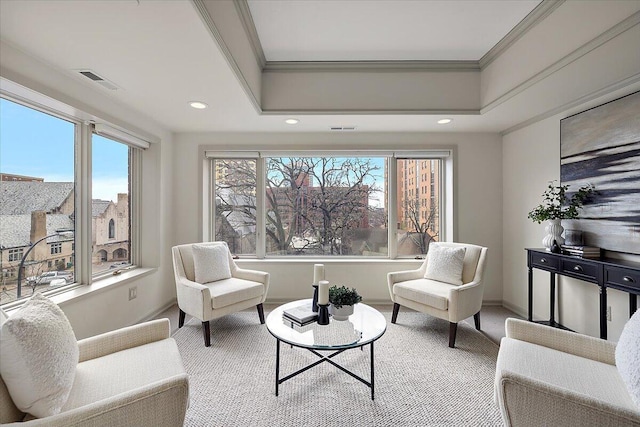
[202, 11]
[594, 43]
[355, 112]
[537, 15]
[629, 82]
[242, 6]
[371, 66]
[544, 9]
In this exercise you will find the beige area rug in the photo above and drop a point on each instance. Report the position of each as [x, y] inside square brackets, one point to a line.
[419, 380]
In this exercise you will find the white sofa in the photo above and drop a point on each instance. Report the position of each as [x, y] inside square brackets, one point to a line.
[129, 377]
[551, 377]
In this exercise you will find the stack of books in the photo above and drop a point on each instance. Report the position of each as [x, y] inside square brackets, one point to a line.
[582, 251]
[301, 315]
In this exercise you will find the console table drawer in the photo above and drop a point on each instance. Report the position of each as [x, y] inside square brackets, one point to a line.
[583, 269]
[623, 277]
[545, 262]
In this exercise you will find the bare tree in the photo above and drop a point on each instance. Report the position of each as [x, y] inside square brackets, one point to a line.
[312, 203]
[421, 230]
[235, 212]
[33, 274]
[341, 202]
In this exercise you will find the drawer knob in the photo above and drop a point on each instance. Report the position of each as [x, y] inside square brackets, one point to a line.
[577, 268]
[543, 260]
[628, 279]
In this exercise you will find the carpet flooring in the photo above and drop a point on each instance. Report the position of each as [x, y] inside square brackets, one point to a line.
[419, 380]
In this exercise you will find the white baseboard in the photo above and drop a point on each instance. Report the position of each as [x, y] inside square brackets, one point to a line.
[157, 312]
[516, 309]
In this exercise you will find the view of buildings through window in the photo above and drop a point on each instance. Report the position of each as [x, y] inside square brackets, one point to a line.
[111, 246]
[37, 202]
[326, 206]
[417, 207]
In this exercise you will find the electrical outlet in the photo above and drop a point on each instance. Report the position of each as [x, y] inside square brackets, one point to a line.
[609, 313]
[133, 292]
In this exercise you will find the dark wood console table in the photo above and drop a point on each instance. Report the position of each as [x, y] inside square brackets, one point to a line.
[604, 272]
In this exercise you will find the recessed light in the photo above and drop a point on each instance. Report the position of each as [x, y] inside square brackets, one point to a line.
[444, 121]
[198, 104]
[292, 121]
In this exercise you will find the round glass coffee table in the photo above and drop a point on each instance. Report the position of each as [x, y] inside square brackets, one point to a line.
[363, 327]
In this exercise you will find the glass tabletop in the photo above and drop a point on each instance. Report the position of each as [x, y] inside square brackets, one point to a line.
[365, 325]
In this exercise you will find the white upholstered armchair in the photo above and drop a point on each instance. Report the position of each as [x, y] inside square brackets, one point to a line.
[551, 377]
[232, 288]
[452, 302]
[129, 377]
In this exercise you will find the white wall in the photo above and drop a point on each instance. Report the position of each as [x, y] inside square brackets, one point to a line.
[110, 308]
[478, 201]
[531, 158]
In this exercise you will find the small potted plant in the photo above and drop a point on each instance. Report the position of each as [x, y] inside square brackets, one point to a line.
[342, 300]
[558, 206]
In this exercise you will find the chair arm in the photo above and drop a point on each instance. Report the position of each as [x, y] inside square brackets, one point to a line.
[122, 339]
[194, 298]
[162, 403]
[561, 340]
[526, 402]
[465, 300]
[403, 276]
[252, 275]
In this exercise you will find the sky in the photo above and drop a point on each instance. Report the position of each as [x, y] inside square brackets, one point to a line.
[37, 144]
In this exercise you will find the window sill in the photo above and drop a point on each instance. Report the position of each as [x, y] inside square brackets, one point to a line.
[101, 285]
[78, 292]
[314, 260]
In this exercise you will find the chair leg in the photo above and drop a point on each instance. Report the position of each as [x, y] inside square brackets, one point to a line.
[207, 334]
[181, 319]
[260, 312]
[476, 319]
[453, 328]
[394, 315]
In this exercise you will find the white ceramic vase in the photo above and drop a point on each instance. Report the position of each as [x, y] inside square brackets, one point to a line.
[554, 231]
[341, 313]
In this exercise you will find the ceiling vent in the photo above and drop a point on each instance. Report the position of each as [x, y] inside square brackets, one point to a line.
[342, 128]
[100, 80]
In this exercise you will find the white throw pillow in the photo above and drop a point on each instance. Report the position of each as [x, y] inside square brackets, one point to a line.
[38, 357]
[445, 264]
[628, 356]
[211, 263]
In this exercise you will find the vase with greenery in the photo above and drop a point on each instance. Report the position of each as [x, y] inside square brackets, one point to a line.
[342, 300]
[556, 206]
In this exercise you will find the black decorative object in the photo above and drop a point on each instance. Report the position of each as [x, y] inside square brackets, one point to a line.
[323, 314]
[555, 248]
[314, 302]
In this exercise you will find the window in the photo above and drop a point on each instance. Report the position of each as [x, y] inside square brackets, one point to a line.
[110, 204]
[235, 204]
[44, 170]
[15, 254]
[112, 229]
[417, 214]
[326, 206]
[37, 164]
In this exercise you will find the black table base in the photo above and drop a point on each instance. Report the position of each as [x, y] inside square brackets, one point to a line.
[324, 358]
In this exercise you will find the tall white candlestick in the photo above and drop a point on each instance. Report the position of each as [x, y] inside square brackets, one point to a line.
[318, 273]
[323, 292]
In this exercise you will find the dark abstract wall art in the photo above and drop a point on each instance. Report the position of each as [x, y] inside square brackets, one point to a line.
[601, 146]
